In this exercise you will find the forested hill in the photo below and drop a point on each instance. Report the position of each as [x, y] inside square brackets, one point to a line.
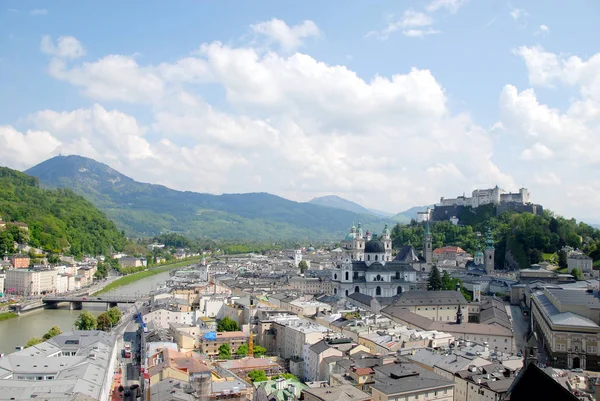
[146, 210]
[521, 239]
[58, 220]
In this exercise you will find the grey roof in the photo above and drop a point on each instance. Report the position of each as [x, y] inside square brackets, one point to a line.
[574, 297]
[419, 297]
[562, 319]
[319, 347]
[405, 377]
[394, 265]
[426, 357]
[408, 253]
[345, 392]
[362, 298]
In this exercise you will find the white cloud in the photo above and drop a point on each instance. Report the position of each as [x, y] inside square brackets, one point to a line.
[288, 37]
[450, 5]
[547, 179]
[66, 47]
[38, 11]
[518, 13]
[22, 150]
[411, 24]
[297, 127]
[543, 30]
[538, 151]
[557, 143]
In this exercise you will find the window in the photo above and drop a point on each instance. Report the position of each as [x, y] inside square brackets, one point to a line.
[347, 276]
[378, 290]
[368, 257]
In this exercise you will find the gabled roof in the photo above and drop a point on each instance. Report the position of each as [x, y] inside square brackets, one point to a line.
[533, 383]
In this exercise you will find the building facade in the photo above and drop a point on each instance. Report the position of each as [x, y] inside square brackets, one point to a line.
[566, 322]
[367, 266]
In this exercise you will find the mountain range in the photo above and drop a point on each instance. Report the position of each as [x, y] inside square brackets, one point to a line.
[142, 209]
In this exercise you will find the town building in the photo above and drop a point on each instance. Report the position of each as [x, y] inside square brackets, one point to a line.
[212, 341]
[483, 383]
[77, 365]
[311, 285]
[132, 262]
[567, 321]
[367, 266]
[28, 282]
[404, 380]
[2, 277]
[343, 392]
[452, 253]
[279, 390]
[438, 305]
[19, 261]
[580, 261]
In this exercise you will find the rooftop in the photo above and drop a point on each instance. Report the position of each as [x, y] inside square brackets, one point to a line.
[344, 392]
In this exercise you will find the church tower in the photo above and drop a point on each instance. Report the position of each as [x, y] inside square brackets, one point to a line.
[489, 252]
[386, 238]
[427, 247]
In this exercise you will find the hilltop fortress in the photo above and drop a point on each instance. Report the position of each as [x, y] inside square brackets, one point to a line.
[518, 202]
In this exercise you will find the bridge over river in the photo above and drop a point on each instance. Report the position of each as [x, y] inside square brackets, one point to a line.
[76, 302]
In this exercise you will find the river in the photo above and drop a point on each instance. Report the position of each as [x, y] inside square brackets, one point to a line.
[17, 331]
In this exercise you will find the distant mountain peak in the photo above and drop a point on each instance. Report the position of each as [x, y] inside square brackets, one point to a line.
[147, 209]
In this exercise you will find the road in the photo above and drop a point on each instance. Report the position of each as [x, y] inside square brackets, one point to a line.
[520, 326]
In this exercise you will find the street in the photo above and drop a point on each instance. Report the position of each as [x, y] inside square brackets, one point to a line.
[520, 326]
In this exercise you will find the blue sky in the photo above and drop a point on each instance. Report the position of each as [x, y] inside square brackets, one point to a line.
[386, 103]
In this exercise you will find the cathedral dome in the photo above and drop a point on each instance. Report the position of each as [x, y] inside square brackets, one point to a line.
[374, 246]
[350, 237]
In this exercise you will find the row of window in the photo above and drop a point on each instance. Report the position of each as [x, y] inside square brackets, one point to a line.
[36, 378]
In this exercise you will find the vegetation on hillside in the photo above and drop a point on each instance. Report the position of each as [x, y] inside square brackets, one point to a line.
[59, 221]
[520, 239]
[145, 210]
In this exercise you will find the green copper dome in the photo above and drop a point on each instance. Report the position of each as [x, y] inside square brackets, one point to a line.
[350, 237]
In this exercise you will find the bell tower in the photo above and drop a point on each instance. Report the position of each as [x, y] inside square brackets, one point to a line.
[489, 252]
[427, 245]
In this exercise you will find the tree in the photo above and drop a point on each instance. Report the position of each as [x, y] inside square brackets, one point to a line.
[446, 281]
[578, 274]
[259, 351]
[104, 322]
[242, 350]
[286, 376]
[257, 376]
[115, 315]
[85, 321]
[53, 332]
[303, 266]
[435, 281]
[224, 351]
[227, 324]
[562, 259]
[33, 341]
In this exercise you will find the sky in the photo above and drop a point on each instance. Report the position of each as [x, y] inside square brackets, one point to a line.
[390, 104]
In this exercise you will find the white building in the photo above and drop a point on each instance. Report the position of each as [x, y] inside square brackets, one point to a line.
[162, 317]
[65, 283]
[580, 261]
[29, 282]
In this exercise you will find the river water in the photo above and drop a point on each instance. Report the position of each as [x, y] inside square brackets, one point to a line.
[17, 331]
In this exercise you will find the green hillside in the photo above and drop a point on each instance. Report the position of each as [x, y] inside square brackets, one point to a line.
[147, 210]
[521, 239]
[58, 220]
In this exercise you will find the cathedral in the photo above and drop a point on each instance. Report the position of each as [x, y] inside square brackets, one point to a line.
[366, 264]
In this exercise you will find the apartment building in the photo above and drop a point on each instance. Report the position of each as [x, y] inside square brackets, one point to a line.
[211, 342]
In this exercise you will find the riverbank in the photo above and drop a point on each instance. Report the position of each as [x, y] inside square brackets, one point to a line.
[130, 278]
[7, 315]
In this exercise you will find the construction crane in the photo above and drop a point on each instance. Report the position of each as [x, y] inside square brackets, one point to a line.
[139, 316]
